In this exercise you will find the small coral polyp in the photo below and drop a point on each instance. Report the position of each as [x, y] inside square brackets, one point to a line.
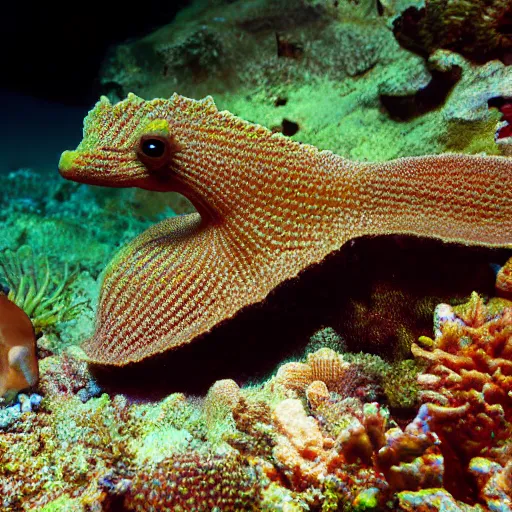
[192, 481]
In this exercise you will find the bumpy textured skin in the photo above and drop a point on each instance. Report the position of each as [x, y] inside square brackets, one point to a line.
[268, 208]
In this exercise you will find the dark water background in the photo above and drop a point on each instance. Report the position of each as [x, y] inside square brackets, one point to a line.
[33, 132]
[51, 60]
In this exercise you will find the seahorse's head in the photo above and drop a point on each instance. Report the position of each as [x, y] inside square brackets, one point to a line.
[129, 144]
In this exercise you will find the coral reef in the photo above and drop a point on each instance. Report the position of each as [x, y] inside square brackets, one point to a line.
[191, 481]
[64, 449]
[504, 280]
[329, 428]
[67, 375]
[299, 441]
[24, 403]
[327, 366]
[365, 455]
[350, 67]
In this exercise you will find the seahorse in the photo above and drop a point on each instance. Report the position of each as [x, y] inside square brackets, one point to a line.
[267, 209]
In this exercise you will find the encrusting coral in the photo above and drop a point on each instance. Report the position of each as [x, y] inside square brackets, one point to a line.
[185, 275]
[192, 481]
[368, 453]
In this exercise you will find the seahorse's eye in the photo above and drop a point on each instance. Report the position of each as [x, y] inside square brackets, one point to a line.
[153, 148]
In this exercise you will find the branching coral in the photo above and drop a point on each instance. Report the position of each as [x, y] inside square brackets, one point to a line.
[44, 296]
[344, 447]
[467, 388]
[366, 454]
[468, 383]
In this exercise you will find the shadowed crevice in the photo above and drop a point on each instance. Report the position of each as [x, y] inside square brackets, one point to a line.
[367, 292]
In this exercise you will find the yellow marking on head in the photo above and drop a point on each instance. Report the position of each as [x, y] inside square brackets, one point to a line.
[67, 161]
[158, 126]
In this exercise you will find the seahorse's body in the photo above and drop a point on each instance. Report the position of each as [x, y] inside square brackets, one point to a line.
[268, 208]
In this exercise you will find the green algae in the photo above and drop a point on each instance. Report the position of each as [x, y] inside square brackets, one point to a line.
[62, 503]
[367, 500]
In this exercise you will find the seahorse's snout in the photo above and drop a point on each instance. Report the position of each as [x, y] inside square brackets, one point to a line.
[102, 167]
[67, 164]
[114, 168]
[84, 167]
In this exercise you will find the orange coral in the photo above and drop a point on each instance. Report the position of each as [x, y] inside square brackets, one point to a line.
[18, 361]
[467, 386]
[365, 454]
[268, 208]
[301, 450]
[323, 365]
[468, 382]
[328, 367]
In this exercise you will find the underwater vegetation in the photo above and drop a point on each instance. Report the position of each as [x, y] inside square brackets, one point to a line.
[41, 293]
[365, 416]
